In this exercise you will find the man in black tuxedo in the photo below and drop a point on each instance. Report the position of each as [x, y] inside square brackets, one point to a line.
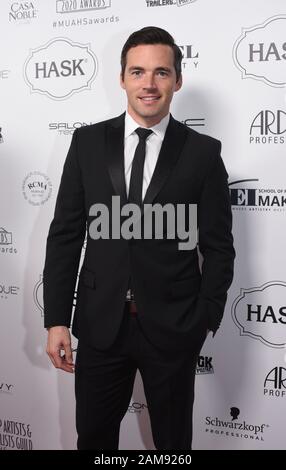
[141, 303]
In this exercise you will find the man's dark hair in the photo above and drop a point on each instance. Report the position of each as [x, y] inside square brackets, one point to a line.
[152, 35]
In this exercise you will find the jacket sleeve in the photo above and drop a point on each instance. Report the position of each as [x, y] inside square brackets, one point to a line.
[64, 243]
[215, 242]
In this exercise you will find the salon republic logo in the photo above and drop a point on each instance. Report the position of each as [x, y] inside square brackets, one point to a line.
[260, 52]
[268, 127]
[250, 195]
[260, 313]
[60, 68]
[67, 128]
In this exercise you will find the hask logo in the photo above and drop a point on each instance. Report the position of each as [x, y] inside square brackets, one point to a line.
[60, 68]
[260, 52]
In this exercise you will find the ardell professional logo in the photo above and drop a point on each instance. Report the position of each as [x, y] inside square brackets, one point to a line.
[249, 195]
[6, 388]
[204, 365]
[37, 188]
[194, 122]
[268, 127]
[190, 57]
[67, 128]
[235, 427]
[6, 242]
[163, 3]
[275, 383]
[38, 295]
[8, 291]
[260, 52]
[60, 68]
[260, 313]
[70, 6]
[22, 11]
[1, 136]
[136, 407]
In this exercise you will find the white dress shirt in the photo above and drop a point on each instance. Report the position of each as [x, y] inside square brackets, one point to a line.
[153, 147]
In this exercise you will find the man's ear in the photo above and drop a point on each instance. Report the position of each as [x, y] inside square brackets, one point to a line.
[122, 84]
[179, 83]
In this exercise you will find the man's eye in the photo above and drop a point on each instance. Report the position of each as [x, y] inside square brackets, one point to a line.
[162, 73]
[137, 72]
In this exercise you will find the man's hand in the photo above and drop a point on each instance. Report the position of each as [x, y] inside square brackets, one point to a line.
[59, 339]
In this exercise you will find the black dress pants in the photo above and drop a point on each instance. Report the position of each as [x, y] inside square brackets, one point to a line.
[104, 383]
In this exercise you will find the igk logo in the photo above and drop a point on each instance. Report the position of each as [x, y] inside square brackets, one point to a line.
[260, 313]
[60, 68]
[260, 52]
[204, 365]
[275, 382]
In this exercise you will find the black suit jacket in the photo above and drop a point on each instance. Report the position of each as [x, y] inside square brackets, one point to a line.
[173, 296]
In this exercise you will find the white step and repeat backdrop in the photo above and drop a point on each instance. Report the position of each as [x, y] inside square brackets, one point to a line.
[59, 70]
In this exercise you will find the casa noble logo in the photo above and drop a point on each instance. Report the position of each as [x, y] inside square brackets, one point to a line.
[60, 68]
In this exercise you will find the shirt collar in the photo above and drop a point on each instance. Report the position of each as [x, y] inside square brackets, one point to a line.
[159, 129]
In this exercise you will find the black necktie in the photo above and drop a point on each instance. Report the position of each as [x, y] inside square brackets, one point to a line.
[136, 178]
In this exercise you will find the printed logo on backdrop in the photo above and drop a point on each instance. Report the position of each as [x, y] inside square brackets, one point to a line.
[6, 389]
[37, 188]
[6, 245]
[204, 365]
[164, 3]
[67, 128]
[15, 435]
[87, 7]
[250, 195]
[8, 291]
[1, 136]
[70, 6]
[136, 407]
[260, 313]
[60, 68]
[275, 383]
[4, 74]
[194, 122]
[234, 426]
[260, 52]
[38, 295]
[22, 12]
[268, 127]
[190, 57]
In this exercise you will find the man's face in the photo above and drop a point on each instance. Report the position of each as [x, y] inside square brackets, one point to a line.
[150, 82]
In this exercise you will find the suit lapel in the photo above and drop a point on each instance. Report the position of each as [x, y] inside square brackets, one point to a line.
[171, 149]
[115, 156]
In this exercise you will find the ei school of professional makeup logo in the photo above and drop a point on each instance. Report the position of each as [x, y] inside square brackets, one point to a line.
[252, 196]
[260, 52]
[60, 68]
[260, 313]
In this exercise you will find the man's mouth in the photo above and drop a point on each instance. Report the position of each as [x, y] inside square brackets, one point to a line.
[149, 98]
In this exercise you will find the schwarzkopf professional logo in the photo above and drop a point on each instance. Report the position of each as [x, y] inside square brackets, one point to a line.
[163, 3]
[60, 68]
[275, 383]
[260, 52]
[81, 5]
[247, 195]
[37, 188]
[268, 127]
[260, 313]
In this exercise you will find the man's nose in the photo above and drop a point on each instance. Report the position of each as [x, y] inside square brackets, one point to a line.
[149, 82]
